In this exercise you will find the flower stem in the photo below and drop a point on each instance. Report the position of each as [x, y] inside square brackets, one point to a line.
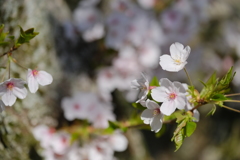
[234, 94]
[237, 101]
[235, 110]
[188, 76]
[15, 61]
[9, 69]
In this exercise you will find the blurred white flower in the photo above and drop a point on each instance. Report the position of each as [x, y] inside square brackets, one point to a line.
[76, 107]
[88, 21]
[43, 134]
[142, 85]
[177, 60]
[35, 77]
[60, 142]
[118, 141]
[147, 4]
[172, 94]
[11, 89]
[152, 115]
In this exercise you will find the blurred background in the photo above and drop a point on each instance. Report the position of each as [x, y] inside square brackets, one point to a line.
[94, 49]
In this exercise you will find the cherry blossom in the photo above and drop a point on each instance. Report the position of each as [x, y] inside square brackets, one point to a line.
[171, 94]
[177, 60]
[11, 89]
[152, 115]
[141, 84]
[35, 77]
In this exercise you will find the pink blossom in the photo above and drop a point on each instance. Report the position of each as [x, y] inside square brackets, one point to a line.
[35, 77]
[11, 89]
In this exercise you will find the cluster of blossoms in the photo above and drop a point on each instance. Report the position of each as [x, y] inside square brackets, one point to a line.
[57, 145]
[89, 106]
[135, 32]
[171, 95]
[14, 88]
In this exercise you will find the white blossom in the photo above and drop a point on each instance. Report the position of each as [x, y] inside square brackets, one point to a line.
[141, 84]
[171, 94]
[35, 77]
[177, 60]
[11, 89]
[152, 115]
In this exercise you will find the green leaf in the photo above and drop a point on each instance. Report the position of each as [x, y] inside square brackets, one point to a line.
[190, 128]
[25, 36]
[138, 106]
[219, 97]
[213, 110]
[154, 82]
[178, 139]
[113, 125]
[3, 36]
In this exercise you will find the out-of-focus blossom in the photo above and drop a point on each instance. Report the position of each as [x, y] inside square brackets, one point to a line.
[76, 107]
[152, 115]
[177, 60]
[60, 142]
[35, 77]
[147, 4]
[11, 89]
[172, 94]
[88, 21]
[43, 134]
[117, 141]
[142, 85]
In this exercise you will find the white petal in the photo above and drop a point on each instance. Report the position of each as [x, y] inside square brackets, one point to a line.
[175, 50]
[185, 53]
[20, 92]
[44, 78]
[9, 98]
[167, 108]
[165, 82]
[196, 114]
[180, 102]
[118, 142]
[156, 123]
[151, 104]
[168, 64]
[32, 83]
[147, 116]
[180, 87]
[159, 94]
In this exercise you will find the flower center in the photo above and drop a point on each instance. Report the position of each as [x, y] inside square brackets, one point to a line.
[34, 72]
[156, 111]
[172, 96]
[10, 85]
[177, 61]
[77, 106]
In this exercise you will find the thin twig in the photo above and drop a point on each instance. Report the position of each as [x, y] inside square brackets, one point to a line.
[235, 110]
[234, 94]
[188, 76]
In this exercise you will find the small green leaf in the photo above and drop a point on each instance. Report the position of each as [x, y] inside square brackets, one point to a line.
[219, 97]
[154, 82]
[25, 36]
[213, 110]
[178, 139]
[138, 106]
[113, 125]
[190, 128]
